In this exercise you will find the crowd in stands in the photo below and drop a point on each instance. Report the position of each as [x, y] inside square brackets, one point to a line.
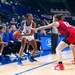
[9, 2]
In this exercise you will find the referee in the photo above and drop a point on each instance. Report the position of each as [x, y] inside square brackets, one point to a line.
[54, 37]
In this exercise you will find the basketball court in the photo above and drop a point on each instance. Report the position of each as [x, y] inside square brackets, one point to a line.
[18, 16]
[44, 66]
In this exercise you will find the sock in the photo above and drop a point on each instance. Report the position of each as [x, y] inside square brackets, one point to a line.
[60, 62]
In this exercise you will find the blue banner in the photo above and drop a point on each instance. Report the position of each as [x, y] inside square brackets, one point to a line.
[45, 42]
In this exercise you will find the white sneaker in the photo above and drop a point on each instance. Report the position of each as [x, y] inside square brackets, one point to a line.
[24, 54]
[17, 54]
[13, 56]
[39, 52]
[8, 55]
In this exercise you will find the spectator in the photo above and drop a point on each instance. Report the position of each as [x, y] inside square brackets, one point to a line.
[11, 45]
[1, 44]
[16, 41]
[13, 21]
[19, 21]
[7, 24]
[10, 28]
[3, 1]
[38, 25]
[38, 19]
[23, 17]
[38, 39]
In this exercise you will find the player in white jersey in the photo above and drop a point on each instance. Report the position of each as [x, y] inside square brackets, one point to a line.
[28, 34]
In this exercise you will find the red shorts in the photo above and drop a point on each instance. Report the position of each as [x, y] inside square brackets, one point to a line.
[70, 39]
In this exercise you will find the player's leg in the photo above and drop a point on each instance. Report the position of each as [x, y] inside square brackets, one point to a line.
[23, 43]
[59, 48]
[73, 52]
[1, 50]
[34, 45]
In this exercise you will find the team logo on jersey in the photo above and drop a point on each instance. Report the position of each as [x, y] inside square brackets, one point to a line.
[27, 31]
[48, 42]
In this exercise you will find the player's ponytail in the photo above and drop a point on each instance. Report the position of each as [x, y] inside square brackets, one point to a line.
[58, 16]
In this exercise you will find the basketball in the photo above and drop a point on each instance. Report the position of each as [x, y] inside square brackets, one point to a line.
[16, 34]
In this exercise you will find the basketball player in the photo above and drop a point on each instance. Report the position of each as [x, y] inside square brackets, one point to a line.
[65, 29]
[1, 43]
[28, 35]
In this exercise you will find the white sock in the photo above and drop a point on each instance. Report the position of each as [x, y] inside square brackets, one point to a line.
[0, 54]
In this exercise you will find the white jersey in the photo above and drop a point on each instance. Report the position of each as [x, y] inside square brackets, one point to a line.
[27, 28]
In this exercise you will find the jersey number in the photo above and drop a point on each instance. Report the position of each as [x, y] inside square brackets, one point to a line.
[67, 24]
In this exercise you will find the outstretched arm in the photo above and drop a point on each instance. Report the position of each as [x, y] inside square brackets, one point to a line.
[46, 26]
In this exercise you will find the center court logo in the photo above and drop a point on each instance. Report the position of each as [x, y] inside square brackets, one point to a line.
[48, 42]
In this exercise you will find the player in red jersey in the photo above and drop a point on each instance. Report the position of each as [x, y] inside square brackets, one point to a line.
[65, 29]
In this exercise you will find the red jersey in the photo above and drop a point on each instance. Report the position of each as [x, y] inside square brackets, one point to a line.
[65, 27]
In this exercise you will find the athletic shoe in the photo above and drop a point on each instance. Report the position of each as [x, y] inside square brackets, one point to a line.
[19, 61]
[59, 67]
[31, 59]
[0, 58]
[24, 54]
[73, 61]
[12, 56]
[39, 52]
[8, 55]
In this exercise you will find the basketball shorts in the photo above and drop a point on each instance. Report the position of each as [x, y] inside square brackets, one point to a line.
[29, 38]
[69, 39]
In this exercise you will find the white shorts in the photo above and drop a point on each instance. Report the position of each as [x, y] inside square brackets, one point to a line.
[29, 38]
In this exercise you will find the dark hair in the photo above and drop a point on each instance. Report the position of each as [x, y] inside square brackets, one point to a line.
[27, 15]
[9, 27]
[58, 16]
[1, 27]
